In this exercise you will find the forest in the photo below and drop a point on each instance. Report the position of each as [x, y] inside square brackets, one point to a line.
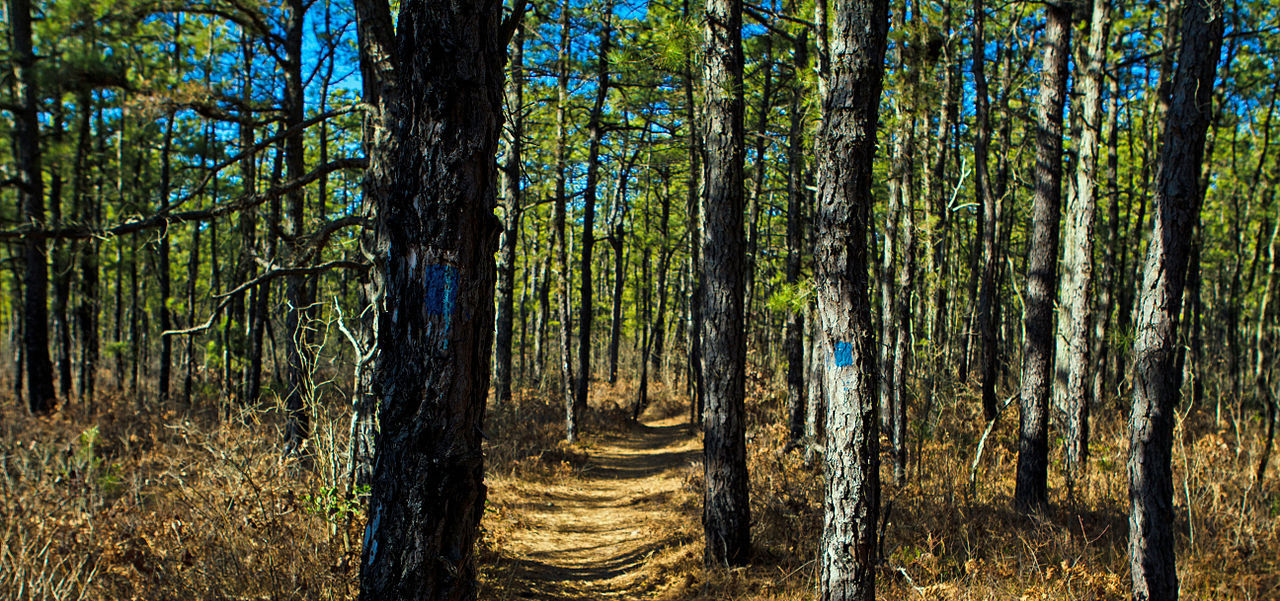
[639, 299]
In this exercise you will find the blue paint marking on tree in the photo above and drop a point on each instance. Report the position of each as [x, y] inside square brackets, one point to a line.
[441, 283]
[843, 352]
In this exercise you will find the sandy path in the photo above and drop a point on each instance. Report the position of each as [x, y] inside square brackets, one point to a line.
[590, 536]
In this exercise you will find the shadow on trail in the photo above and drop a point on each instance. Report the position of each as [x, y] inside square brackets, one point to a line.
[639, 454]
[590, 536]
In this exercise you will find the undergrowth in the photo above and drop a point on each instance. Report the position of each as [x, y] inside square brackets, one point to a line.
[158, 504]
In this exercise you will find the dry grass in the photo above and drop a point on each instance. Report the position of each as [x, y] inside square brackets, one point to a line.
[154, 504]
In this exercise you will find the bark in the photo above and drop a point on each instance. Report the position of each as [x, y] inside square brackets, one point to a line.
[299, 296]
[797, 215]
[1074, 364]
[617, 240]
[900, 269]
[1156, 392]
[26, 153]
[513, 138]
[846, 341]
[759, 168]
[60, 262]
[436, 326]
[657, 349]
[646, 334]
[241, 318]
[987, 312]
[595, 133]
[89, 212]
[1109, 274]
[164, 278]
[726, 516]
[1031, 492]
[693, 211]
[936, 228]
[560, 242]
[904, 288]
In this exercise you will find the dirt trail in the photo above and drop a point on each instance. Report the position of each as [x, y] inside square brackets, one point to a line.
[590, 536]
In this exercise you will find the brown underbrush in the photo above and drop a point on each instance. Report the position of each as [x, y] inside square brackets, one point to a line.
[950, 531]
[161, 504]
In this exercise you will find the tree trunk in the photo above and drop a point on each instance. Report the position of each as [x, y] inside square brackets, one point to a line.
[513, 137]
[89, 211]
[60, 261]
[759, 168]
[1073, 360]
[726, 508]
[987, 312]
[26, 153]
[595, 132]
[560, 242]
[436, 326]
[1156, 391]
[299, 356]
[617, 240]
[241, 318]
[693, 211]
[1031, 494]
[797, 215]
[846, 341]
[165, 277]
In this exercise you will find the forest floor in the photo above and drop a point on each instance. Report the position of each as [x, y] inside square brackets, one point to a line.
[595, 534]
[131, 501]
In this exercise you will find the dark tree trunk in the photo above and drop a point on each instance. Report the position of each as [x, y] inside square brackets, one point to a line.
[1109, 274]
[26, 153]
[299, 296]
[438, 231]
[646, 334]
[560, 242]
[846, 341]
[377, 41]
[595, 133]
[797, 215]
[89, 212]
[904, 285]
[759, 168]
[656, 348]
[987, 312]
[617, 240]
[165, 277]
[241, 318]
[1031, 493]
[1156, 386]
[900, 270]
[693, 210]
[60, 261]
[726, 514]
[513, 135]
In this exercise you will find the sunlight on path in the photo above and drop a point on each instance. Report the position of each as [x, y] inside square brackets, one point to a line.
[589, 536]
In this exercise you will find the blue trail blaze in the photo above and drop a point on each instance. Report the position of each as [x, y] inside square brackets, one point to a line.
[441, 285]
[843, 352]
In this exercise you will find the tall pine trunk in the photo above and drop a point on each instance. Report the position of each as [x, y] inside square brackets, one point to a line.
[726, 514]
[1031, 493]
[439, 234]
[26, 153]
[797, 215]
[1074, 326]
[1156, 383]
[845, 339]
[595, 133]
[987, 309]
[513, 136]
